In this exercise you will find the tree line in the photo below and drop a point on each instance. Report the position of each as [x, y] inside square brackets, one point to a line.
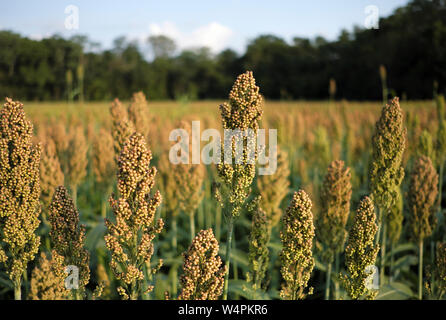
[407, 53]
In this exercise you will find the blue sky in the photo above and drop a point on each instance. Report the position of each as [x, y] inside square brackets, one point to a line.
[216, 24]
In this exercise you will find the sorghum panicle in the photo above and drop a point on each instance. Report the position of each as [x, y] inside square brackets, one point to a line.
[104, 165]
[386, 172]
[395, 219]
[68, 236]
[58, 132]
[203, 273]
[426, 146]
[138, 113]
[130, 237]
[258, 245]
[273, 188]
[47, 279]
[361, 251]
[51, 175]
[182, 183]
[19, 192]
[297, 241]
[243, 111]
[104, 279]
[191, 192]
[77, 155]
[122, 127]
[422, 195]
[169, 179]
[335, 208]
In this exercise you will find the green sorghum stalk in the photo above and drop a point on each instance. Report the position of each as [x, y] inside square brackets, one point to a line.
[258, 246]
[297, 253]
[19, 193]
[203, 273]
[386, 172]
[68, 237]
[130, 236]
[422, 195]
[335, 209]
[243, 112]
[361, 252]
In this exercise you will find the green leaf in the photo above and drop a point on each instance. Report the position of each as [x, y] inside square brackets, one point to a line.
[95, 237]
[237, 256]
[405, 261]
[244, 289]
[319, 265]
[5, 282]
[395, 291]
[401, 248]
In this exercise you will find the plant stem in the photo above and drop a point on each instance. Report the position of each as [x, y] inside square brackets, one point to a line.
[174, 248]
[18, 290]
[134, 292]
[228, 256]
[74, 194]
[337, 262]
[218, 224]
[25, 282]
[420, 271]
[383, 253]
[104, 209]
[192, 226]
[200, 218]
[391, 263]
[327, 283]
[234, 265]
[174, 236]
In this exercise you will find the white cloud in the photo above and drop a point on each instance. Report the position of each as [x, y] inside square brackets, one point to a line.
[39, 36]
[213, 35]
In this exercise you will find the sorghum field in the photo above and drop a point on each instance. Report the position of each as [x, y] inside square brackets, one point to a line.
[353, 211]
